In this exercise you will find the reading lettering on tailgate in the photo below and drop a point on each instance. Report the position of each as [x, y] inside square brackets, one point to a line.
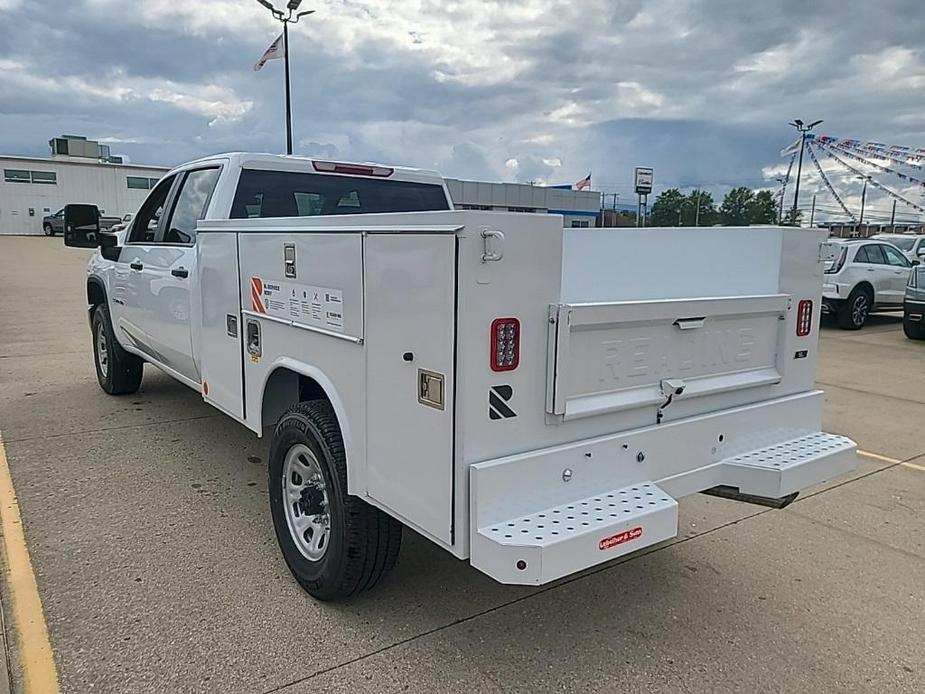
[663, 355]
[627, 356]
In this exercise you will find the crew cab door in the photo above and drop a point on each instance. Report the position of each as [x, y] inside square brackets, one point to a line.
[170, 268]
[159, 272]
[129, 308]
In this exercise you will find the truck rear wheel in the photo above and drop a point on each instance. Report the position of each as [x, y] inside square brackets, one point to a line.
[117, 371]
[335, 544]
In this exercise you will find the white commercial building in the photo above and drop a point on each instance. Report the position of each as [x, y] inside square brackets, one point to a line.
[33, 187]
[82, 171]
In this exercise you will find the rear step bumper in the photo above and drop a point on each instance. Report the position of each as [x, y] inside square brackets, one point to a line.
[516, 544]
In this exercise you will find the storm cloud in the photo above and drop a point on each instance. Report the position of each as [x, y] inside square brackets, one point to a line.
[528, 90]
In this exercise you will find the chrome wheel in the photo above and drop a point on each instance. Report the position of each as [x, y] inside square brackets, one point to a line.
[102, 351]
[305, 498]
[860, 309]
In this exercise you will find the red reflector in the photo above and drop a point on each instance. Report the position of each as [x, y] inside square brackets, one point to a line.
[804, 317]
[352, 169]
[505, 344]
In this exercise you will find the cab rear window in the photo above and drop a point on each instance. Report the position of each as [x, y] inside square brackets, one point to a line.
[296, 194]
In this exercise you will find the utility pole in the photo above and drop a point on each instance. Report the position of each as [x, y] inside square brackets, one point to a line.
[780, 211]
[863, 196]
[803, 129]
[893, 217]
[812, 214]
[697, 213]
[291, 16]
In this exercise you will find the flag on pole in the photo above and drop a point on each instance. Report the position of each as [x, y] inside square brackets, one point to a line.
[275, 51]
[584, 183]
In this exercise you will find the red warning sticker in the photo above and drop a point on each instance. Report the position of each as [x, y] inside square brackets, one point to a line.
[620, 538]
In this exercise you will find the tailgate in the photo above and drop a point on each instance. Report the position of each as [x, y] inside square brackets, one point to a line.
[616, 356]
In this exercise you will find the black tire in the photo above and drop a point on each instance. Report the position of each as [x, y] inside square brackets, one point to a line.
[120, 372]
[49, 229]
[914, 330]
[362, 542]
[854, 312]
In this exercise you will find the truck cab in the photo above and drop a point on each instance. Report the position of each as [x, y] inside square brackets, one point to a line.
[152, 297]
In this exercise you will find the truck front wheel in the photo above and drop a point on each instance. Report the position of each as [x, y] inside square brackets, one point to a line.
[335, 544]
[117, 371]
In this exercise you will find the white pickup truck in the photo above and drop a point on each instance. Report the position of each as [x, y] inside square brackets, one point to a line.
[532, 399]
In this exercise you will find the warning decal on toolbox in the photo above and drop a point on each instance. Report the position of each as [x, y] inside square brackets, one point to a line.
[321, 307]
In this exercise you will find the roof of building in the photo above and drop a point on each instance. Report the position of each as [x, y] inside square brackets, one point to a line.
[79, 162]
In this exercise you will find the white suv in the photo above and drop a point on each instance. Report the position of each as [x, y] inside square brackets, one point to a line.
[861, 276]
[911, 245]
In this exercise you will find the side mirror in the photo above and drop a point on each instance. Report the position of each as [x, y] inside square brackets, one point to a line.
[916, 262]
[81, 226]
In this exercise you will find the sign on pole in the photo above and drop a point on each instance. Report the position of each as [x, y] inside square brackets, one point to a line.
[643, 179]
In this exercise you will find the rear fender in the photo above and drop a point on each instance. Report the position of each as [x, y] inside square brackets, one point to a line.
[355, 476]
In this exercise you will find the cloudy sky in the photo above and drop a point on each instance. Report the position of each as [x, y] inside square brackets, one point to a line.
[542, 90]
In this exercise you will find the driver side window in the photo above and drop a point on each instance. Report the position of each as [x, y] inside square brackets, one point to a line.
[144, 228]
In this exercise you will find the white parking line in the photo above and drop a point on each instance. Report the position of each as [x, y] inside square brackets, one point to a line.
[892, 461]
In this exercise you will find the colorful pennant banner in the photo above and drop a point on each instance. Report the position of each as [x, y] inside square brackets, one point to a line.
[830, 151]
[828, 184]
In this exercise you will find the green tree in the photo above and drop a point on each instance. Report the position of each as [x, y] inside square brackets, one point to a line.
[762, 208]
[689, 215]
[666, 210]
[735, 207]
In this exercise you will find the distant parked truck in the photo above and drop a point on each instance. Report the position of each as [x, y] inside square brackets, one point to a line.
[54, 223]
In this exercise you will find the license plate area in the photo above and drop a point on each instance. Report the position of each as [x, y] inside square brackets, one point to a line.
[609, 357]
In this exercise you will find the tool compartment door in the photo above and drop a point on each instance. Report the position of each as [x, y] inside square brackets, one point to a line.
[610, 357]
[220, 351]
[410, 294]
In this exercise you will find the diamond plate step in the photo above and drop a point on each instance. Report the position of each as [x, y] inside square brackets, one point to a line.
[790, 466]
[557, 541]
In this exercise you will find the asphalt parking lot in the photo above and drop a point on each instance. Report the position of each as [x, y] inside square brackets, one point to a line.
[150, 539]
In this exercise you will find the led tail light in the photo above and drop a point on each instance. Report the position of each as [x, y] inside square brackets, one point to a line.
[505, 344]
[804, 317]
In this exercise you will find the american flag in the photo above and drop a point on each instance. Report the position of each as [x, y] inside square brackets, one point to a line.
[584, 183]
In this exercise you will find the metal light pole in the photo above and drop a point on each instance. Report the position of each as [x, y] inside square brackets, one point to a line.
[812, 214]
[697, 212]
[803, 129]
[290, 16]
